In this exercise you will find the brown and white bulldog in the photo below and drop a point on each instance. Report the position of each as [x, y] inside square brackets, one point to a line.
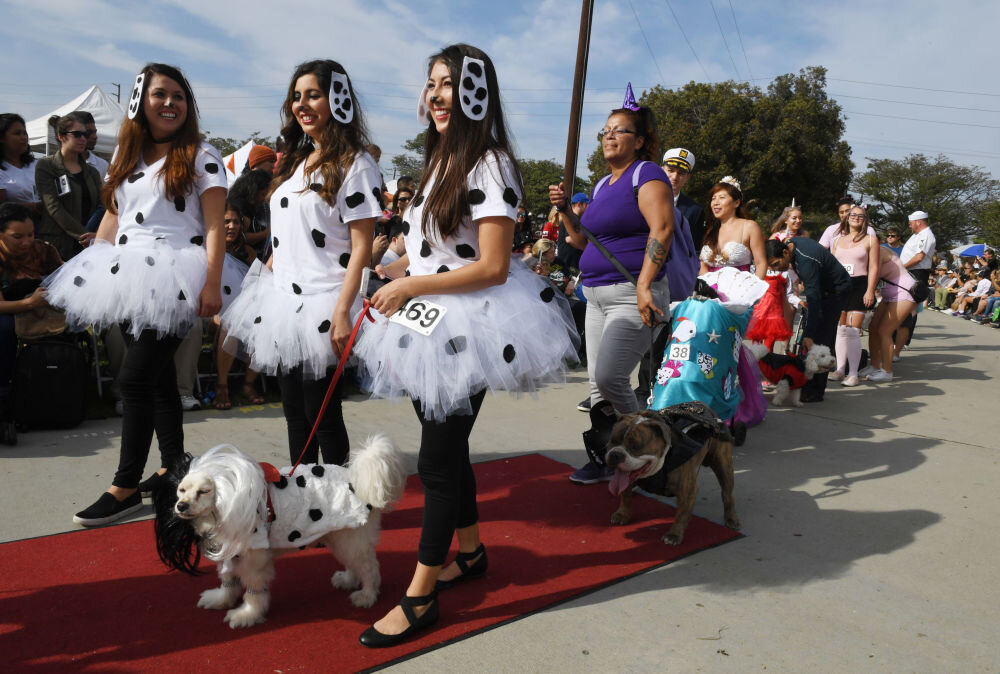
[675, 440]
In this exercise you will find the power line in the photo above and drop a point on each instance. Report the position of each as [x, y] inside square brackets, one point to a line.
[739, 34]
[915, 119]
[903, 86]
[925, 105]
[646, 40]
[916, 146]
[724, 40]
[681, 28]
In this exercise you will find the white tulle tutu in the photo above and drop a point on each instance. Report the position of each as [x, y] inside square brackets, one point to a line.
[513, 337]
[149, 287]
[273, 329]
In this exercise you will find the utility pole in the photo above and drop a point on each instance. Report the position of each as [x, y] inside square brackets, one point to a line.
[118, 91]
[576, 106]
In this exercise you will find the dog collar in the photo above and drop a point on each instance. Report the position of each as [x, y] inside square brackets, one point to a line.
[272, 476]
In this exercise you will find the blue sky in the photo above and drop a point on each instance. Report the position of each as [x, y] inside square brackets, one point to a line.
[912, 76]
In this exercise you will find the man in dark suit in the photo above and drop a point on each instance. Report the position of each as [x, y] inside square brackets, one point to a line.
[678, 164]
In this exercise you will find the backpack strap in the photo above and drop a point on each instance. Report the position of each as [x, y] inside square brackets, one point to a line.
[635, 179]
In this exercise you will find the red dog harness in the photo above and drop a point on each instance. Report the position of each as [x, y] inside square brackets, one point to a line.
[776, 367]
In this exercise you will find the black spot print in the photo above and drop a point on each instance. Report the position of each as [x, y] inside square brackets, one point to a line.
[477, 109]
[301, 480]
[480, 94]
[316, 187]
[548, 294]
[284, 202]
[379, 197]
[465, 250]
[256, 321]
[510, 196]
[404, 342]
[293, 536]
[122, 240]
[425, 249]
[476, 197]
[338, 86]
[300, 308]
[442, 269]
[467, 83]
[114, 269]
[368, 505]
[135, 177]
[455, 345]
[354, 200]
[319, 238]
[150, 261]
[296, 289]
[282, 483]
[406, 273]
[509, 352]
[346, 104]
[475, 69]
[324, 326]
[139, 218]
[181, 296]
[197, 240]
[406, 227]
[180, 204]
[315, 514]
[79, 281]
[318, 471]
[274, 241]
[212, 167]
[419, 200]
[344, 259]
[227, 290]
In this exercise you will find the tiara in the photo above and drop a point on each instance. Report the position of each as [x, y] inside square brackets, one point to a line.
[729, 180]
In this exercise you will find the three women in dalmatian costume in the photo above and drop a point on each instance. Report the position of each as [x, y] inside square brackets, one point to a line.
[155, 267]
[296, 312]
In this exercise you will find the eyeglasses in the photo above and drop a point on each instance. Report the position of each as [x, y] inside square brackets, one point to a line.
[613, 133]
[892, 236]
[856, 216]
[77, 134]
[402, 199]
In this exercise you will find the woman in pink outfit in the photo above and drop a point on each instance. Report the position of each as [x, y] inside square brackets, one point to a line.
[858, 251]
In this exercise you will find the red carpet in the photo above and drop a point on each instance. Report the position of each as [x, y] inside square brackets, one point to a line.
[100, 600]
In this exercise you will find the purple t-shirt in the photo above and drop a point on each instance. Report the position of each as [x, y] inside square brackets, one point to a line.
[614, 218]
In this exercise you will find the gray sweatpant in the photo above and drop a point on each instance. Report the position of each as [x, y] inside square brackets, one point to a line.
[617, 339]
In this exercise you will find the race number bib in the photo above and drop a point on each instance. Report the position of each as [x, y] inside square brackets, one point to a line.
[419, 315]
[679, 352]
[849, 268]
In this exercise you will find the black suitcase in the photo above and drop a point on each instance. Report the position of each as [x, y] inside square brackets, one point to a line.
[51, 383]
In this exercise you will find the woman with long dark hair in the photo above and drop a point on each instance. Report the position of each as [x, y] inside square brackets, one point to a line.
[732, 239]
[155, 268]
[295, 314]
[17, 172]
[468, 306]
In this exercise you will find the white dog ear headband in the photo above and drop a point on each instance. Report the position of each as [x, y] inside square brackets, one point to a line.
[341, 104]
[472, 92]
[135, 100]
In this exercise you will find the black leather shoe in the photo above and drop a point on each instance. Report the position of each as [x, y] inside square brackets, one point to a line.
[372, 638]
[477, 570]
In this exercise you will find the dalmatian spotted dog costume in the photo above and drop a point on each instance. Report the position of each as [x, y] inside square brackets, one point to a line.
[153, 273]
[512, 337]
[312, 247]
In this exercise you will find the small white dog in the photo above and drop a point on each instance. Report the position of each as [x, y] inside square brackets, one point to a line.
[790, 373]
[225, 509]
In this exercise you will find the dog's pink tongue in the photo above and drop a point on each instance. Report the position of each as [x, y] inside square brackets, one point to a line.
[620, 481]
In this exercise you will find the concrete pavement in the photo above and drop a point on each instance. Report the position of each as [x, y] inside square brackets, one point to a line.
[869, 519]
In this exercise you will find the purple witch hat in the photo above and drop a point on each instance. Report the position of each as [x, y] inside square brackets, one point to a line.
[629, 103]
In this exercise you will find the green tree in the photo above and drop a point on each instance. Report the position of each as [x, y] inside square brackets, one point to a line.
[411, 162]
[537, 175]
[782, 143]
[987, 223]
[957, 198]
[227, 146]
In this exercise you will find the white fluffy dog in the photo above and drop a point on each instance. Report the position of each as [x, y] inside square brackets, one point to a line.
[225, 509]
[790, 373]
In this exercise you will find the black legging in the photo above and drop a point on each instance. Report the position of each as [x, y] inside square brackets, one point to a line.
[449, 483]
[301, 400]
[150, 402]
[831, 307]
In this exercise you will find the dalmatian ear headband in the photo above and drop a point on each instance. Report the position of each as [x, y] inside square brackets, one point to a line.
[472, 92]
[341, 104]
[135, 100]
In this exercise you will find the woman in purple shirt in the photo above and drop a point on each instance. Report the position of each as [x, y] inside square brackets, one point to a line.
[634, 219]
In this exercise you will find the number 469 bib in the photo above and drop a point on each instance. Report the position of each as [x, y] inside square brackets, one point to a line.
[419, 315]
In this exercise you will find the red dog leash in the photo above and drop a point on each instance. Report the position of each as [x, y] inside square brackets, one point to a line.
[341, 362]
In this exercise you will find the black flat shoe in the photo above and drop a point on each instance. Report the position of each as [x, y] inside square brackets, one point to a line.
[372, 638]
[147, 486]
[477, 570]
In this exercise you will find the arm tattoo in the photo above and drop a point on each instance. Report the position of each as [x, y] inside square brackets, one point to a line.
[656, 252]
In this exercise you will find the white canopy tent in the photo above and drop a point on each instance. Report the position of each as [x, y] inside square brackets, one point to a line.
[107, 114]
[235, 162]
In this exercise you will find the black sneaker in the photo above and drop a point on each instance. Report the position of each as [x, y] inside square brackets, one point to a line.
[108, 509]
[147, 486]
[584, 405]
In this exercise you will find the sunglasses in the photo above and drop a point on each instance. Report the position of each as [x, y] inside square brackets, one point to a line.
[402, 199]
[77, 134]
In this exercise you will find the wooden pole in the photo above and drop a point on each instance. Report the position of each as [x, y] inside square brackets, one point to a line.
[576, 106]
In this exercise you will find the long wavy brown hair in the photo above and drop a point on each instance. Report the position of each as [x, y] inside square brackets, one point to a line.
[178, 172]
[450, 157]
[339, 142]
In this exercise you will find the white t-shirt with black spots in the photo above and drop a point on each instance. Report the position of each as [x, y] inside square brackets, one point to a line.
[493, 192]
[309, 237]
[146, 214]
[18, 182]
